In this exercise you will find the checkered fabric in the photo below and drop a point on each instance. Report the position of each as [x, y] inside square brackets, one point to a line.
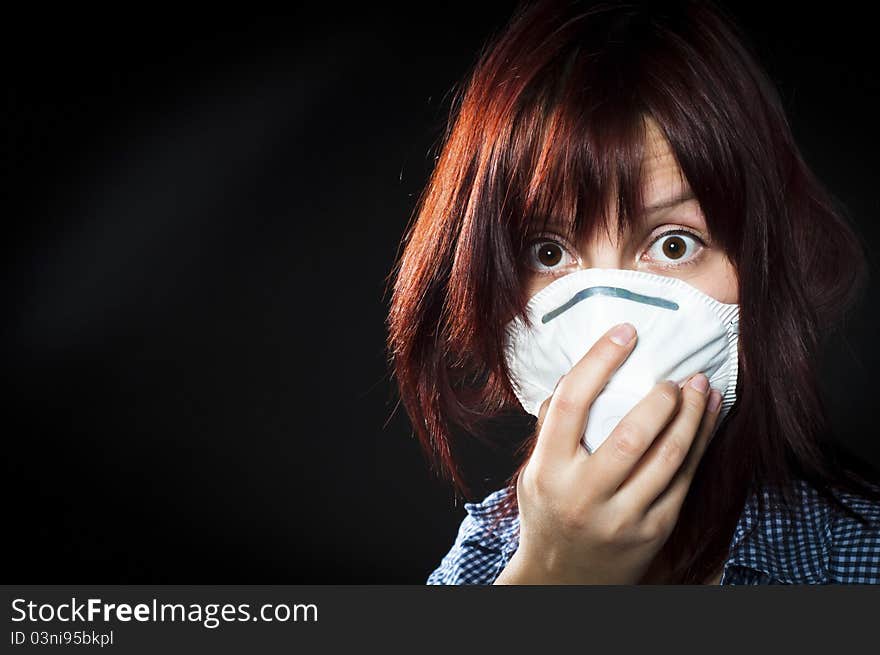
[821, 546]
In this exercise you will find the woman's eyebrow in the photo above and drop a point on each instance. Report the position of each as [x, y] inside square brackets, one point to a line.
[681, 197]
[678, 199]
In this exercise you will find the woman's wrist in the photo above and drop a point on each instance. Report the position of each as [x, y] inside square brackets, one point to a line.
[516, 572]
[522, 569]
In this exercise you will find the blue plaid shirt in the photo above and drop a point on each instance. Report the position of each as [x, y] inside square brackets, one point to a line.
[825, 546]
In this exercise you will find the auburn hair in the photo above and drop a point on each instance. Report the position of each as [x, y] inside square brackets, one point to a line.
[550, 122]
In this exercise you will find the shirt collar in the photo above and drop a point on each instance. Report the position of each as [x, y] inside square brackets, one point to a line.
[505, 533]
[789, 548]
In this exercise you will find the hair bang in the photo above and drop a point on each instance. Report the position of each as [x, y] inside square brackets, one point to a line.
[575, 163]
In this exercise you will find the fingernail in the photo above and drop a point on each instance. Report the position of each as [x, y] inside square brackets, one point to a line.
[622, 334]
[699, 382]
[714, 400]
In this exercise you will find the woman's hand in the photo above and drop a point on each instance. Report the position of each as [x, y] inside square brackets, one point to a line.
[602, 518]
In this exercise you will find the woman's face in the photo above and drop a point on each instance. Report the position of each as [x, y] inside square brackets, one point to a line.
[672, 238]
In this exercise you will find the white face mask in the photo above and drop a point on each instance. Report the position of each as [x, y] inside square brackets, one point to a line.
[681, 332]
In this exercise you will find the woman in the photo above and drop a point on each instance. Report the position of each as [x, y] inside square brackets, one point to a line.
[642, 137]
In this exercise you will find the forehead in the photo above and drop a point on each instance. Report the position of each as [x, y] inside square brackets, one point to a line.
[660, 183]
[661, 175]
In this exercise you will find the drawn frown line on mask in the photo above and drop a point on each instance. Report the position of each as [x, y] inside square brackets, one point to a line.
[615, 292]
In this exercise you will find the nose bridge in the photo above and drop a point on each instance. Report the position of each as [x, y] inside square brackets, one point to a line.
[603, 251]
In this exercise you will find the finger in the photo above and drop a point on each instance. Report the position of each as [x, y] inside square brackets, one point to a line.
[569, 405]
[669, 502]
[542, 412]
[613, 461]
[654, 472]
[527, 447]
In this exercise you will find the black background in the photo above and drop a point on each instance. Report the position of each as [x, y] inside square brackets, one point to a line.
[202, 212]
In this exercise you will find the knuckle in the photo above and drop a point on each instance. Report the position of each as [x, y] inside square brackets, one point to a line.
[565, 402]
[650, 531]
[536, 467]
[619, 530]
[668, 392]
[606, 352]
[671, 450]
[627, 441]
[532, 483]
[572, 521]
[539, 487]
[694, 402]
[539, 478]
[660, 525]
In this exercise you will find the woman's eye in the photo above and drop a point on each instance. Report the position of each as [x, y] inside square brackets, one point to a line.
[548, 256]
[676, 247]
